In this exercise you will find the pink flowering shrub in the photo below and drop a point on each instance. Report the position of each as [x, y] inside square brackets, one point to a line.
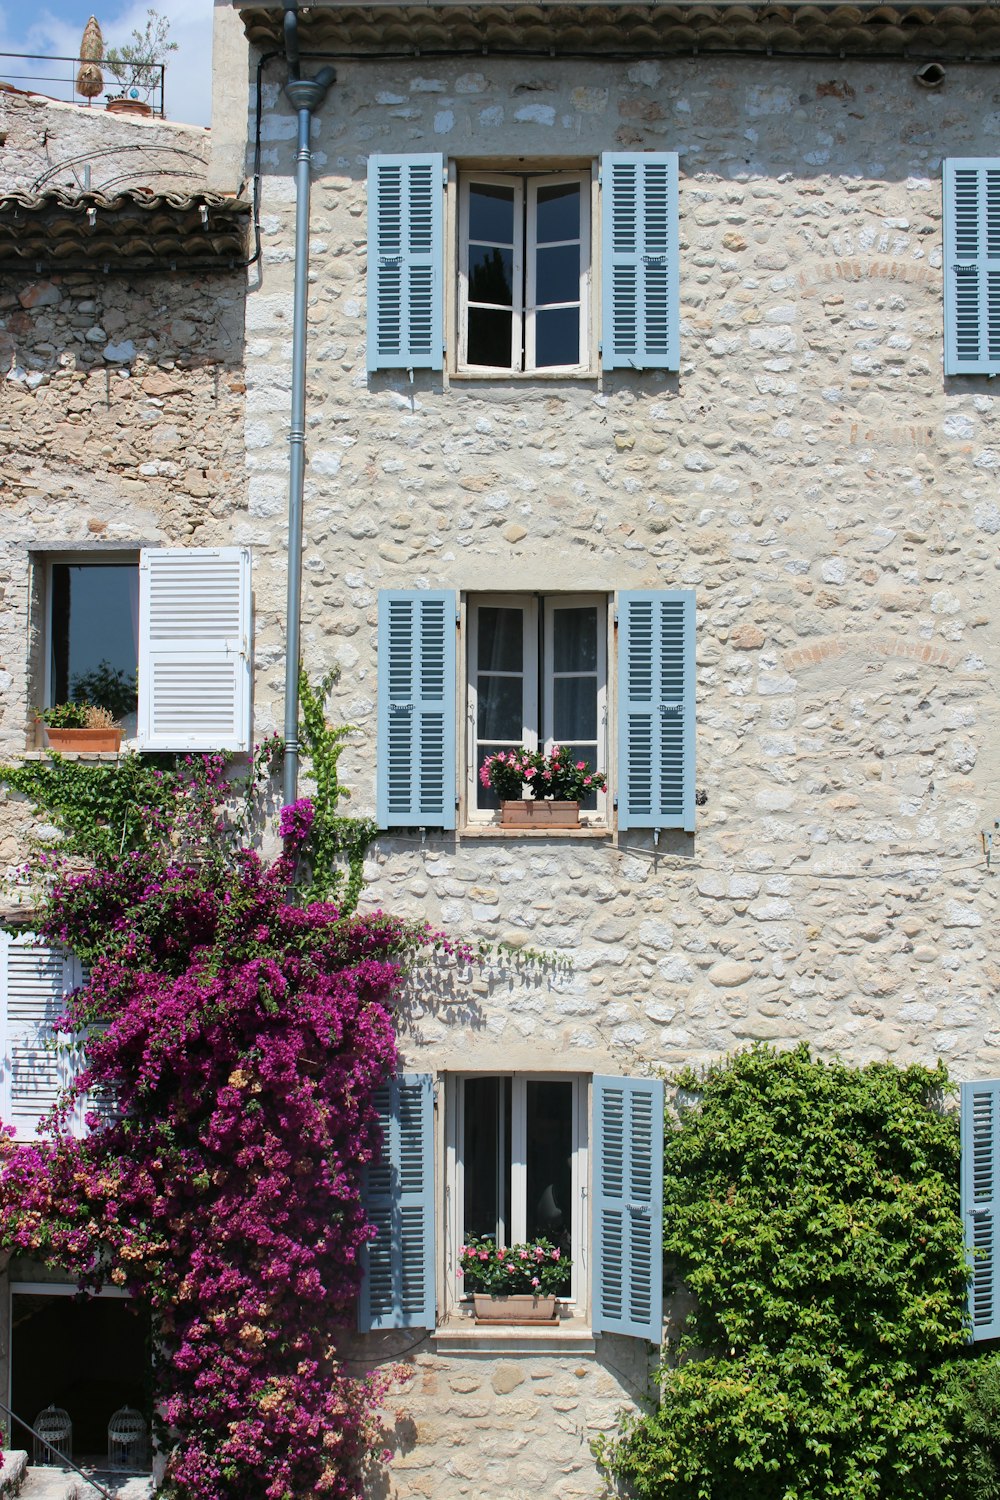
[241, 1038]
[556, 775]
[538, 1267]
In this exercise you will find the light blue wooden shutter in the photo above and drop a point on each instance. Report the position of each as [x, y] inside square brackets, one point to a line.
[981, 1202]
[405, 262]
[640, 299]
[628, 1207]
[656, 682]
[398, 1288]
[416, 708]
[972, 266]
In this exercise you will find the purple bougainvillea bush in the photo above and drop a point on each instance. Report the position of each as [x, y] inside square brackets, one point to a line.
[241, 1037]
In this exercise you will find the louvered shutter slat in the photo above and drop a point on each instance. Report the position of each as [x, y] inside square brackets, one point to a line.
[37, 1065]
[980, 1205]
[416, 711]
[194, 649]
[398, 1265]
[656, 707]
[640, 296]
[405, 262]
[972, 265]
[628, 1207]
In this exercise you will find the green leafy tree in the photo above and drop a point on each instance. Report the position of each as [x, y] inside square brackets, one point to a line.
[136, 64]
[813, 1211]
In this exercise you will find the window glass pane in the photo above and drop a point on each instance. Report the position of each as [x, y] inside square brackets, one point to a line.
[501, 639]
[482, 1158]
[491, 275]
[557, 337]
[588, 754]
[501, 707]
[491, 213]
[549, 1170]
[574, 709]
[95, 624]
[558, 213]
[490, 338]
[486, 798]
[557, 275]
[574, 639]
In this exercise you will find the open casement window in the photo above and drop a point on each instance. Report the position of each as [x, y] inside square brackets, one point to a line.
[537, 676]
[92, 632]
[981, 1203]
[628, 1207]
[517, 1167]
[524, 272]
[972, 266]
[195, 662]
[656, 703]
[37, 1063]
[398, 1289]
[524, 266]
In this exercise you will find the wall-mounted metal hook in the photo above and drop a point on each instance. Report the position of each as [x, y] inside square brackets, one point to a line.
[988, 840]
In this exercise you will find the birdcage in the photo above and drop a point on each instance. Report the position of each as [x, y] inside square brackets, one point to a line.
[127, 1440]
[53, 1424]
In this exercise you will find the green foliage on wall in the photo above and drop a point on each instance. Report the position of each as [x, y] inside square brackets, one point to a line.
[337, 845]
[813, 1211]
[100, 811]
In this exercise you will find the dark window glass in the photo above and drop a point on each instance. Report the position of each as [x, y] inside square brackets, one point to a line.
[501, 708]
[490, 337]
[486, 1159]
[491, 275]
[558, 213]
[491, 213]
[95, 625]
[548, 1165]
[574, 643]
[501, 639]
[557, 276]
[574, 709]
[557, 337]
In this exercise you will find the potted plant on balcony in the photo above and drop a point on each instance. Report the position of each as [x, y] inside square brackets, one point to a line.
[515, 1283]
[81, 728]
[556, 783]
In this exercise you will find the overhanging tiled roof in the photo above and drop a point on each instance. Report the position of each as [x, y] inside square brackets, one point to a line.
[934, 30]
[136, 229]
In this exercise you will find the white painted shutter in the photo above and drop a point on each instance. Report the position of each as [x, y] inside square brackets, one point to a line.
[36, 1063]
[195, 658]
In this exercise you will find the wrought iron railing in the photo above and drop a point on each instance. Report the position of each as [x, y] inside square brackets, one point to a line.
[55, 78]
[87, 1478]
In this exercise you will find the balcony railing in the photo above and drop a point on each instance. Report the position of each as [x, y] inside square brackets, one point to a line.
[55, 78]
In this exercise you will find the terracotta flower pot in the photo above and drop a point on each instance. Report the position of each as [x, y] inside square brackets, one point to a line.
[513, 1307]
[545, 814]
[83, 741]
[128, 107]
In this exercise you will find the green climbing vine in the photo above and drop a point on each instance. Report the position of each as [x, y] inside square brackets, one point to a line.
[335, 854]
[98, 811]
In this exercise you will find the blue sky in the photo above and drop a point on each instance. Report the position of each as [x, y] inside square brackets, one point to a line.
[56, 27]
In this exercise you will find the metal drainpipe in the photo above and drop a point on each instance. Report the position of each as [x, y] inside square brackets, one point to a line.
[306, 96]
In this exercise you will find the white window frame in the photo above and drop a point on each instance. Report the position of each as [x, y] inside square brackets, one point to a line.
[526, 187]
[577, 1304]
[537, 706]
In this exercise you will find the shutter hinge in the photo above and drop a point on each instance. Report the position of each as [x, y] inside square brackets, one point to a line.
[615, 802]
[600, 347]
[444, 175]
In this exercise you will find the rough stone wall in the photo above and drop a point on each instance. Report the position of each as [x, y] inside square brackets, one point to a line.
[811, 474]
[121, 414]
[49, 144]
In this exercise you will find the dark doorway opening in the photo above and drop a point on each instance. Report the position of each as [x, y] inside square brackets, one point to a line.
[90, 1357]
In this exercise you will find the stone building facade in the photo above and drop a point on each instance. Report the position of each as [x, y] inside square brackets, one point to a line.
[809, 472]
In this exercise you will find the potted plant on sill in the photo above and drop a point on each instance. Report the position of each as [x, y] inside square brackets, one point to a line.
[514, 1283]
[556, 783]
[81, 727]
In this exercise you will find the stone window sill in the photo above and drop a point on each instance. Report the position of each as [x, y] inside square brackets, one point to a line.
[85, 755]
[460, 1335]
[497, 831]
